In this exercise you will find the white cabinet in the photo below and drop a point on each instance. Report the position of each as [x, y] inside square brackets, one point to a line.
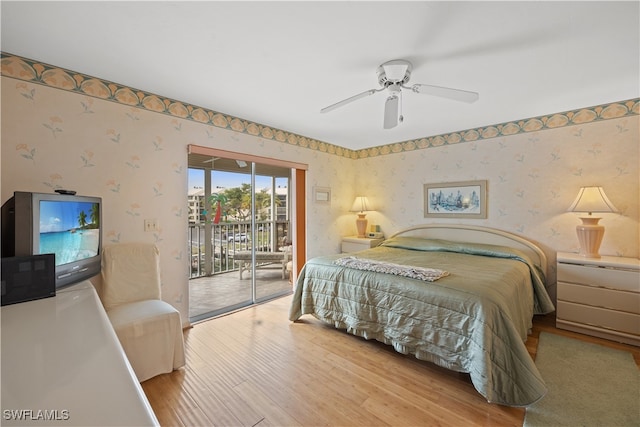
[599, 296]
[62, 364]
[355, 244]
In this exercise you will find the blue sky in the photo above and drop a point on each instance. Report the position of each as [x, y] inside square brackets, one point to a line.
[225, 180]
[62, 215]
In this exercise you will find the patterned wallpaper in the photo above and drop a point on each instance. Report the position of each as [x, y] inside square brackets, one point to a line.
[531, 181]
[37, 72]
[136, 160]
[40, 73]
[62, 129]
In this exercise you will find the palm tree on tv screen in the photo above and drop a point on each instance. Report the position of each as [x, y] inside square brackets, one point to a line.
[95, 215]
[82, 219]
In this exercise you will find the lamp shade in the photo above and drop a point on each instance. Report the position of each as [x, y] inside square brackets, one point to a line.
[361, 204]
[592, 199]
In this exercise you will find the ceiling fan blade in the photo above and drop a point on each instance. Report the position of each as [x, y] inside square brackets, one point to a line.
[348, 100]
[391, 112]
[446, 92]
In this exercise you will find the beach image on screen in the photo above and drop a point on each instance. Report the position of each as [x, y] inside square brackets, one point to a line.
[69, 229]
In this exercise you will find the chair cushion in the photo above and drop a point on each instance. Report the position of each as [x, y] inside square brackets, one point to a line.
[136, 314]
[151, 335]
[130, 272]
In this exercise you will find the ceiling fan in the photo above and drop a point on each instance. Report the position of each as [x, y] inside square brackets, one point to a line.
[393, 76]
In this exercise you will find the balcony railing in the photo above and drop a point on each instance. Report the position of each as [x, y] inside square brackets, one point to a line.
[227, 238]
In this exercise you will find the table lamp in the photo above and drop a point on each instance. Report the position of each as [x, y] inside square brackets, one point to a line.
[590, 233]
[361, 205]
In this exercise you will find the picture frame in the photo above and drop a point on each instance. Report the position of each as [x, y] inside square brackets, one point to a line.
[463, 199]
[322, 194]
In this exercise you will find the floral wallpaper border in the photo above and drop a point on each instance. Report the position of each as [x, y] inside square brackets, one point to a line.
[553, 121]
[48, 75]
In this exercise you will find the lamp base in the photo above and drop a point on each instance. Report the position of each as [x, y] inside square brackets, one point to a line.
[590, 235]
[361, 225]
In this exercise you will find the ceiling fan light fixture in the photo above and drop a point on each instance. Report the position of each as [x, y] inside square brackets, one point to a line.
[395, 71]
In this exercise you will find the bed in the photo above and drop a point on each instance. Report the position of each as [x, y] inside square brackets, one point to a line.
[462, 297]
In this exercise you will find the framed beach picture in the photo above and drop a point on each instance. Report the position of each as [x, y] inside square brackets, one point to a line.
[465, 199]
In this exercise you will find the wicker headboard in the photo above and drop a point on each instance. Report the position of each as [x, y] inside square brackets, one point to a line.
[476, 234]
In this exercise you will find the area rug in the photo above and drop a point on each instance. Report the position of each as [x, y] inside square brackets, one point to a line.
[589, 385]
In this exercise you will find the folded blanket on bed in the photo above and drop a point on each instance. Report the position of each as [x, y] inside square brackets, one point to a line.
[420, 273]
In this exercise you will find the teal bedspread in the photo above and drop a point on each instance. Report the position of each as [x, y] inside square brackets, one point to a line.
[474, 320]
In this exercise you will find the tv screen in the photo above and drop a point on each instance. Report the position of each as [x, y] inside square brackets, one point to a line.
[69, 229]
[65, 225]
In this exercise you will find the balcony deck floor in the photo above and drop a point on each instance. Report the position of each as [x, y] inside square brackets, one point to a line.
[225, 291]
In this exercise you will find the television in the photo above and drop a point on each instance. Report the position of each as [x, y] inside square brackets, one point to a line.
[66, 225]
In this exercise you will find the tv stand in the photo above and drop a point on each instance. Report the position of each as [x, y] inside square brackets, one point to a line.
[62, 364]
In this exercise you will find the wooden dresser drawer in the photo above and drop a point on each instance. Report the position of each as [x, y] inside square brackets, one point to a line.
[599, 297]
[604, 277]
[599, 317]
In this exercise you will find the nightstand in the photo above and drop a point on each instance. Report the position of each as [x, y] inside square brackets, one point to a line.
[354, 243]
[599, 296]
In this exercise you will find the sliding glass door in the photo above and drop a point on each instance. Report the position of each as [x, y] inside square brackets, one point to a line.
[239, 233]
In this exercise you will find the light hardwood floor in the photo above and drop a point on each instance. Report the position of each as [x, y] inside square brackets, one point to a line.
[254, 367]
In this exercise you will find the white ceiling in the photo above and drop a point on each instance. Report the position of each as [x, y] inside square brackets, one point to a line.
[279, 63]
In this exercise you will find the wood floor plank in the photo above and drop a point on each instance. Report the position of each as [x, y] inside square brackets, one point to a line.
[415, 389]
[272, 412]
[256, 368]
[296, 397]
[173, 405]
[209, 397]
